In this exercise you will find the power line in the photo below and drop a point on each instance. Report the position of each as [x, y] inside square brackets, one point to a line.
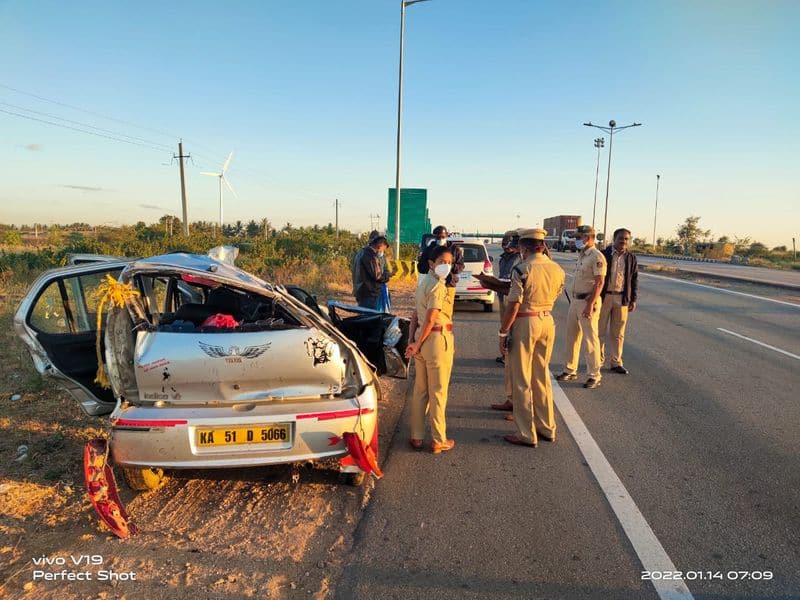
[84, 110]
[108, 137]
[108, 131]
[136, 141]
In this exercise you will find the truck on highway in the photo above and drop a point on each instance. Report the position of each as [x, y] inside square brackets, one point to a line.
[562, 227]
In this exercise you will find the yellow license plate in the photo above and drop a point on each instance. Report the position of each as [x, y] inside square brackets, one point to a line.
[254, 434]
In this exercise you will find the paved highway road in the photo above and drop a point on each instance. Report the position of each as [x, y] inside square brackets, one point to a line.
[789, 279]
[690, 463]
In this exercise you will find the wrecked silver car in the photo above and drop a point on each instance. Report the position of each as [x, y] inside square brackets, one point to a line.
[209, 366]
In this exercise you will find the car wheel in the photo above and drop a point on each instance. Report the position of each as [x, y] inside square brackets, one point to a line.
[352, 479]
[143, 479]
[487, 307]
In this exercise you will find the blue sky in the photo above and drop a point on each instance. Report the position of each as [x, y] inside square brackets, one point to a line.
[494, 96]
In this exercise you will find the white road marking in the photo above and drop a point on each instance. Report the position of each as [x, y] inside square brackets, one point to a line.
[744, 337]
[645, 543]
[716, 289]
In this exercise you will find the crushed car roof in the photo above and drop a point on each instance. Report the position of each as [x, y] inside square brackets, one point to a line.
[200, 265]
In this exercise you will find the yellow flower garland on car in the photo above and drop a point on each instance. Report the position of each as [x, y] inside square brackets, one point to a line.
[116, 294]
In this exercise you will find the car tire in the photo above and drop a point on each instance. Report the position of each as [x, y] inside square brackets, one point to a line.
[487, 307]
[142, 480]
[353, 479]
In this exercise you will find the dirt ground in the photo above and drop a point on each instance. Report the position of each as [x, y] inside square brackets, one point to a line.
[206, 534]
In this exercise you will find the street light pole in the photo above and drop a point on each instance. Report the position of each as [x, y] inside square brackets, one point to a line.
[612, 126]
[403, 4]
[655, 213]
[598, 143]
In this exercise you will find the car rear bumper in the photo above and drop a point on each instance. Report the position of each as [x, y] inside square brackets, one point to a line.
[484, 295]
[168, 437]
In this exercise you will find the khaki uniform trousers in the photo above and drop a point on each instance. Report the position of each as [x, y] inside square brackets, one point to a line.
[580, 328]
[529, 354]
[613, 315]
[506, 365]
[434, 363]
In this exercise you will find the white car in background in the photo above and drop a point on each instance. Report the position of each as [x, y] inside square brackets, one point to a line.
[476, 260]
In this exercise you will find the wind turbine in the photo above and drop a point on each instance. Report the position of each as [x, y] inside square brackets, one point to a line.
[221, 176]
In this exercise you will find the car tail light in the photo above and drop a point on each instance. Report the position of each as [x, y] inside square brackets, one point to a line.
[487, 266]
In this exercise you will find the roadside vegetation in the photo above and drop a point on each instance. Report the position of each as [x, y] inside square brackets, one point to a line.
[692, 240]
[316, 258]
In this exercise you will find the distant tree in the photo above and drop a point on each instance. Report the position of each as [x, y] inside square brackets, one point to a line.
[265, 227]
[252, 229]
[723, 239]
[75, 237]
[741, 245]
[757, 249]
[55, 236]
[690, 233]
[12, 238]
[779, 249]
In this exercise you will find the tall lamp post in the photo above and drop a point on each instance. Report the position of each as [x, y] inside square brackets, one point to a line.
[612, 127]
[403, 4]
[598, 143]
[655, 212]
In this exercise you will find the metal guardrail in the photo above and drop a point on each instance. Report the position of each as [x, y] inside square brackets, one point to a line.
[682, 257]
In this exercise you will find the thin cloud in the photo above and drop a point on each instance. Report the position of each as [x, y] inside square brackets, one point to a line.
[34, 147]
[150, 207]
[83, 188]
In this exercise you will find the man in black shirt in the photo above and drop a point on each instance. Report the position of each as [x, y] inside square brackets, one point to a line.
[370, 272]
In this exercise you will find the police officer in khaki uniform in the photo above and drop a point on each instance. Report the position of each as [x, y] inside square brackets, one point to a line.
[584, 310]
[527, 334]
[433, 351]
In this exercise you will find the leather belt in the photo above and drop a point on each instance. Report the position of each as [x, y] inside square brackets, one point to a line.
[614, 293]
[448, 327]
[538, 313]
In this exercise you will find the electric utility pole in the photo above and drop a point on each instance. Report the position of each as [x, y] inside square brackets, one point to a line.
[336, 204]
[180, 158]
[374, 220]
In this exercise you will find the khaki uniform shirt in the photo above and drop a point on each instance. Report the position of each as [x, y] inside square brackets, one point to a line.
[432, 293]
[536, 283]
[616, 278]
[591, 263]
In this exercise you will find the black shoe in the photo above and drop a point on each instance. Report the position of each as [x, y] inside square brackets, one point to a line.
[567, 376]
[619, 369]
[591, 384]
[544, 437]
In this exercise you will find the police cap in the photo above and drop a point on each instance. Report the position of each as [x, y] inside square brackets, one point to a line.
[586, 230]
[532, 234]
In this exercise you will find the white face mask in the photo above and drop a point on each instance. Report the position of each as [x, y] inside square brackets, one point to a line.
[380, 252]
[441, 241]
[580, 244]
[442, 271]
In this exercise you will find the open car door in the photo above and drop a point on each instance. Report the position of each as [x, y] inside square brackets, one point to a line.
[381, 337]
[57, 320]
